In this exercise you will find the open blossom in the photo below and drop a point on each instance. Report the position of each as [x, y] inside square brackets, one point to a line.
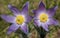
[43, 17]
[19, 19]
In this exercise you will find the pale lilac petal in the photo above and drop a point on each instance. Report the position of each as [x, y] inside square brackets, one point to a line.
[12, 28]
[37, 23]
[14, 9]
[45, 26]
[28, 18]
[8, 18]
[34, 11]
[40, 9]
[25, 8]
[52, 11]
[24, 28]
[53, 22]
[41, 6]
[38, 12]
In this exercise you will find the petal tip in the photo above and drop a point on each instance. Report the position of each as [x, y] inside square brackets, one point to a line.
[9, 32]
[56, 7]
[2, 16]
[25, 7]
[26, 4]
[41, 4]
[9, 6]
[33, 11]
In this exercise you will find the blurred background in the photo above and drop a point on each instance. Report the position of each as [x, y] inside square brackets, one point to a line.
[54, 30]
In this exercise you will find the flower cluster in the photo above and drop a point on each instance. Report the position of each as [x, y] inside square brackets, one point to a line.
[42, 17]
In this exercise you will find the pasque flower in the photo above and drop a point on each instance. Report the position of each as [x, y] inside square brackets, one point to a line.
[19, 19]
[43, 17]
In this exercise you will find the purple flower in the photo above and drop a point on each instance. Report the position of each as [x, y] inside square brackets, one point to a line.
[43, 17]
[19, 20]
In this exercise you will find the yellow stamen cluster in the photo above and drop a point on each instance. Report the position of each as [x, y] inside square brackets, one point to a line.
[20, 19]
[43, 17]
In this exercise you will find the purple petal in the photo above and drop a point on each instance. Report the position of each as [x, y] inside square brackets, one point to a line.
[8, 18]
[34, 11]
[25, 8]
[24, 28]
[37, 23]
[41, 6]
[37, 12]
[28, 18]
[52, 11]
[12, 28]
[45, 26]
[53, 22]
[13, 9]
[40, 9]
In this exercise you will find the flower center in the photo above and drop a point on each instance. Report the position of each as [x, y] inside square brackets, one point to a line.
[20, 19]
[43, 17]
